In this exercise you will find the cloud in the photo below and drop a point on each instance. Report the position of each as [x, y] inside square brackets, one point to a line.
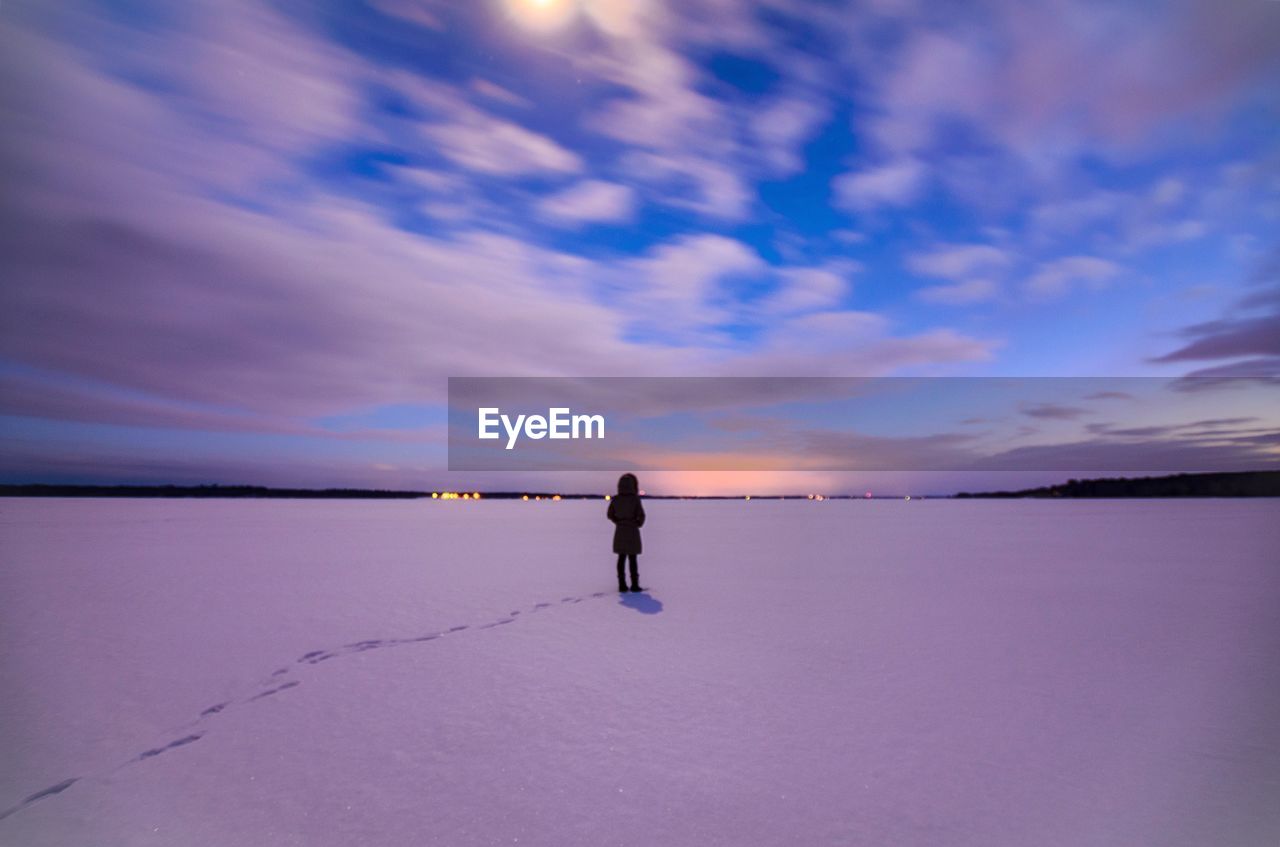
[669, 115]
[1168, 191]
[967, 264]
[590, 201]
[1160, 453]
[205, 294]
[216, 320]
[958, 261]
[848, 236]
[483, 143]
[896, 183]
[854, 343]
[475, 139]
[782, 126]
[1053, 412]
[432, 180]
[691, 182]
[1229, 338]
[1213, 429]
[1264, 369]
[1012, 101]
[936, 75]
[1074, 215]
[810, 289]
[63, 400]
[1249, 332]
[291, 94]
[960, 293]
[497, 93]
[1047, 81]
[451, 198]
[420, 12]
[1055, 278]
[1162, 213]
[177, 248]
[289, 88]
[662, 109]
[316, 307]
[691, 149]
[676, 289]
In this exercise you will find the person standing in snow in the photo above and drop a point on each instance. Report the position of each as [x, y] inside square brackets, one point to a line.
[627, 513]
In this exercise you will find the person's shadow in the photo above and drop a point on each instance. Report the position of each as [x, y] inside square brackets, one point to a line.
[641, 602]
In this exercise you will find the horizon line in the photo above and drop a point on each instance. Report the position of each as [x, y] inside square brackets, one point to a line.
[216, 489]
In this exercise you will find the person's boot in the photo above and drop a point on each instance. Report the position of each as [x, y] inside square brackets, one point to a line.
[622, 588]
[636, 588]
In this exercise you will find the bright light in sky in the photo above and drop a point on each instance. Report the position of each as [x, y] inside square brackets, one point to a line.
[541, 15]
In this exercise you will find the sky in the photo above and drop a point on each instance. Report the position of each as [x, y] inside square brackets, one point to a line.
[248, 242]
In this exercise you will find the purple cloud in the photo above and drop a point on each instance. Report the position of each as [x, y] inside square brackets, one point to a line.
[1053, 412]
[1228, 339]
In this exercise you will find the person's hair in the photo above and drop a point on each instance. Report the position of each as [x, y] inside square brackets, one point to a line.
[628, 484]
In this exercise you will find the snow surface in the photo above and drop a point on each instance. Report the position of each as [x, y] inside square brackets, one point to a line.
[870, 673]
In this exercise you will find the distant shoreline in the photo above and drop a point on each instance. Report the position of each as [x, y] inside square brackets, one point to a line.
[231, 492]
[1234, 484]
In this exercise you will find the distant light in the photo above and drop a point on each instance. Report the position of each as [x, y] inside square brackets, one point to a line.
[541, 15]
[908, 496]
[434, 495]
[868, 495]
[475, 496]
[525, 498]
[557, 497]
[748, 496]
[641, 492]
[606, 497]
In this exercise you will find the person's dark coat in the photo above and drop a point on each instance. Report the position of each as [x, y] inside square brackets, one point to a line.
[627, 514]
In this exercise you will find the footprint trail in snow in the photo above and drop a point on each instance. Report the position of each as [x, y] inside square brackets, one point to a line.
[273, 686]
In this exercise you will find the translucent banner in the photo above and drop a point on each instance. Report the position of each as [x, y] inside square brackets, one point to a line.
[866, 424]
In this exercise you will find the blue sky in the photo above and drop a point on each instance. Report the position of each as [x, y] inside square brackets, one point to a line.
[248, 241]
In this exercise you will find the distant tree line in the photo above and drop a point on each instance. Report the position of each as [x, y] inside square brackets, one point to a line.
[1243, 484]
